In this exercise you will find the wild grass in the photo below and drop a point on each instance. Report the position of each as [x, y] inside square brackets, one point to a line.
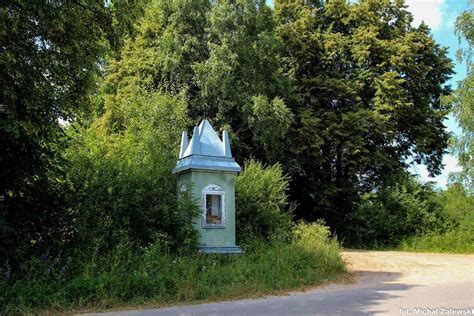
[450, 242]
[156, 277]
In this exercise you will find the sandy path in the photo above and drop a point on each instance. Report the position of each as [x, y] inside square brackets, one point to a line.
[414, 268]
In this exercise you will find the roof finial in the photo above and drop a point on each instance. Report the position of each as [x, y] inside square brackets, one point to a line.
[226, 145]
[184, 144]
[194, 146]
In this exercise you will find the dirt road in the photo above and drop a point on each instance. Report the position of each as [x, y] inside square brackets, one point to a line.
[411, 268]
[386, 283]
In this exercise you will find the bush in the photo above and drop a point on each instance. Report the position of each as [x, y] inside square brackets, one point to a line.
[121, 186]
[386, 217]
[458, 205]
[414, 217]
[155, 274]
[455, 233]
[262, 210]
[311, 234]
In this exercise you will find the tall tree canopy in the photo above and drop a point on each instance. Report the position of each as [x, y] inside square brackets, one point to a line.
[463, 101]
[223, 54]
[341, 94]
[367, 89]
[49, 56]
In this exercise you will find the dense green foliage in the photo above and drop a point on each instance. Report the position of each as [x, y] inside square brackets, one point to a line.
[453, 241]
[334, 97]
[340, 94]
[155, 276]
[457, 203]
[120, 186]
[49, 60]
[262, 204]
[455, 233]
[385, 218]
[416, 217]
[367, 88]
[463, 101]
[223, 56]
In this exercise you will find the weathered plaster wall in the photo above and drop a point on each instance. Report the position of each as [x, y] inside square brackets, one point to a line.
[197, 180]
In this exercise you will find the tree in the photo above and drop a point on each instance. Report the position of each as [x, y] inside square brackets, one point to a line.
[241, 85]
[49, 56]
[120, 186]
[224, 55]
[124, 15]
[367, 90]
[169, 39]
[463, 104]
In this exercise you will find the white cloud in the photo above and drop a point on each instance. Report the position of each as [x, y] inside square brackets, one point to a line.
[429, 11]
[450, 165]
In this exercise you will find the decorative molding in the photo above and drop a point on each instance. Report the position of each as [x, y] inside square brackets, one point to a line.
[212, 189]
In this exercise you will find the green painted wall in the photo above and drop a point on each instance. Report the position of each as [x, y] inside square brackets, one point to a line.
[198, 180]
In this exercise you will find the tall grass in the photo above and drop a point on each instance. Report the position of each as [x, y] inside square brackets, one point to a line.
[455, 241]
[156, 276]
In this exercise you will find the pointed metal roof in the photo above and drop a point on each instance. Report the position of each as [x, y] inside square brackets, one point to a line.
[206, 151]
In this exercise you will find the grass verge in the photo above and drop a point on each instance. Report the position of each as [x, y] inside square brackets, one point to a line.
[156, 277]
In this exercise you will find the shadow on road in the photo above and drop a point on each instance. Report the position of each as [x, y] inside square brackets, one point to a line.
[365, 297]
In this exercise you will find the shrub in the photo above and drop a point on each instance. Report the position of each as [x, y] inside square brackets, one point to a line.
[315, 238]
[262, 210]
[121, 186]
[455, 233]
[311, 234]
[384, 218]
[458, 204]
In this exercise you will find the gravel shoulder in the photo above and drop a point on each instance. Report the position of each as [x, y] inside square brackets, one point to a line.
[385, 283]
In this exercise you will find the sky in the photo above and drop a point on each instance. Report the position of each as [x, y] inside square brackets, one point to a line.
[440, 15]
